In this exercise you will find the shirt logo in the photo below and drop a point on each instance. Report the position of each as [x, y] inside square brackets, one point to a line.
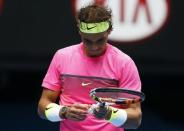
[85, 84]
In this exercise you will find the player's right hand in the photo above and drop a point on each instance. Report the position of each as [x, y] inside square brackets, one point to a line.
[77, 112]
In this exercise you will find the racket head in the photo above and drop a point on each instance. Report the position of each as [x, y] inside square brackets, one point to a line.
[116, 95]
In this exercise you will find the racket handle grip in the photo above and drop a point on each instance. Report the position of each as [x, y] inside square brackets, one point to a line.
[93, 106]
[102, 104]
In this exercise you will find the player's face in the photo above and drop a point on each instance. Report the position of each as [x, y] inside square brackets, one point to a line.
[94, 44]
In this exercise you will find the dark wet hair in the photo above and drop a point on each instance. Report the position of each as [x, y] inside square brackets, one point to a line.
[95, 13]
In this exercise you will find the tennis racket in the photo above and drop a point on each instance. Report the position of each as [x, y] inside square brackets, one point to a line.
[116, 96]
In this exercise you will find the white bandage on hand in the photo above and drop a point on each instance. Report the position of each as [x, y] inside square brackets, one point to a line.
[118, 117]
[52, 112]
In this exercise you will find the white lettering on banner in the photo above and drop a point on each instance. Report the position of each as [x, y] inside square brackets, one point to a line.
[133, 20]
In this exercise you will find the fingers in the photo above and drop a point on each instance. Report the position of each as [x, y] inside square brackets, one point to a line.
[100, 111]
[76, 117]
[83, 107]
[77, 112]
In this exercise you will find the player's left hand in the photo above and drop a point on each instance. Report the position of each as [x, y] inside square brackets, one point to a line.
[102, 111]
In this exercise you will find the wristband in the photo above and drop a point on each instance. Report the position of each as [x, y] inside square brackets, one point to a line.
[118, 117]
[52, 112]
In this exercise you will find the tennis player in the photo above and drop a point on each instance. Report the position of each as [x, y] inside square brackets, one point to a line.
[77, 69]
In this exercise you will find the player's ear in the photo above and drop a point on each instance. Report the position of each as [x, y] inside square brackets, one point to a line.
[109, 31]
[79, 32]
[78, 29]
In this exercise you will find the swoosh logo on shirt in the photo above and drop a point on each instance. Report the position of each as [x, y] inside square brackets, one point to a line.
[85, 84]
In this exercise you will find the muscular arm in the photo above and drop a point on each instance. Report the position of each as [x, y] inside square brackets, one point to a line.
[75, 112]
[131, 120]
[48, 96]
[134, 114]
